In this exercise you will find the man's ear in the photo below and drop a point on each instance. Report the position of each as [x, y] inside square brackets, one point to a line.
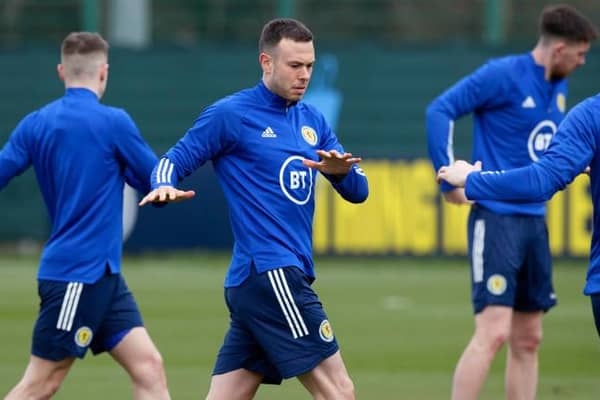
[61, 72]
[104, 73]
[558, 47]
[266, 62]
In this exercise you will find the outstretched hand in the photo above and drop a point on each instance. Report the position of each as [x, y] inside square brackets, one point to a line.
[456, 174]
[332, 162]
[166, 194]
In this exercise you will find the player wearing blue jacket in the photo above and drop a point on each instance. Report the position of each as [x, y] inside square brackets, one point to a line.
[575, 146]
[517, 103]
[83, 152]
[265, 145]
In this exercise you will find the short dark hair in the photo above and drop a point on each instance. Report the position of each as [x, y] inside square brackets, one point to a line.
[283, 28]
[83, 43]
[565, 22]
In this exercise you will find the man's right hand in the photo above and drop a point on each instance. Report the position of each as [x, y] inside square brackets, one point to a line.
[166, 194]
[456, 174]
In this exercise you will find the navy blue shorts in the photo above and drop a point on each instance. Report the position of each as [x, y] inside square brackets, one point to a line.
[510, 260]
[74, 316]
[278, 327]
[596, 310]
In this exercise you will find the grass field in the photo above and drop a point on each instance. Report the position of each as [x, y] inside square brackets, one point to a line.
[401, 324]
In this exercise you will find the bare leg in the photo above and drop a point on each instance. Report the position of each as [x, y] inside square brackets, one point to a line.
[329, 380]
[142, 361]
[492, 327]
[240, 384]
[522, 356]
[41, 380]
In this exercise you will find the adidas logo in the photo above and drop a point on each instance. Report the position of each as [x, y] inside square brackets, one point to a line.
[528, 102]
[268, 133]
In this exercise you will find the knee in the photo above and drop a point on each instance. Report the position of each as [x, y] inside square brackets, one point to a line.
[341, 388]
[526, 344]
[149, 371]
[40, 389]
[492, 342]
[498, 339]
[51, 387]
[346, 388]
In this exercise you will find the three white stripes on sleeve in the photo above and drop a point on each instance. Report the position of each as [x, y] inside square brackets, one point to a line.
[164, 172]
[287, 303]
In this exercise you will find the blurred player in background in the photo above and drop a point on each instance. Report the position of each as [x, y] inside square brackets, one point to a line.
[517, 102]
[83, 152]
[576, 146]
[265, 145]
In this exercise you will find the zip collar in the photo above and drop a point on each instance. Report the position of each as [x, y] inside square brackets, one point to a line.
[273, 99]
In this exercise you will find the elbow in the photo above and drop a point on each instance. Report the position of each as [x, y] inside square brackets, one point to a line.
[360, 196]
[432, 110]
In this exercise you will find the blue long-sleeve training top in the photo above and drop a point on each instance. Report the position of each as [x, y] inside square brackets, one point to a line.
[574, 147]
[257, 143]
[82, 152]
[515, 115]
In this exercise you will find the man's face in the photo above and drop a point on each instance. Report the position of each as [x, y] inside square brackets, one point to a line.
[567, 57]
[288, 67]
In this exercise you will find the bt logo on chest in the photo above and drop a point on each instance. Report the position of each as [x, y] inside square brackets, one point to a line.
[296, 180]
[540, 138]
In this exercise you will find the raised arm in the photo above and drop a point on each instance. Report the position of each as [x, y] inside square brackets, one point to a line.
[483, 88]
[572, 149]
[211, 135]
[15, 156]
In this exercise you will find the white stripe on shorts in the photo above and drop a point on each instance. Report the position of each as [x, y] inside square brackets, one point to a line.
[287, 303]
[478, 245]
[63, 308]
[69, 306]
[292, 301]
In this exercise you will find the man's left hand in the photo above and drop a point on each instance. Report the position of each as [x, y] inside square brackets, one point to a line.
[332, 162]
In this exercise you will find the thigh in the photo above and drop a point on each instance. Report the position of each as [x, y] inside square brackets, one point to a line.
[492, 322]
[70, 314]
[327, 377]
[121, 317]
[240, 384]
[136, 347]
[39, 375]
[526, 325]
[535, 291]
[496, 253]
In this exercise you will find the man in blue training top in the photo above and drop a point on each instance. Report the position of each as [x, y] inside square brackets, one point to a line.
[575, 146]
[265, 145]
[517, 102]
[82, 153]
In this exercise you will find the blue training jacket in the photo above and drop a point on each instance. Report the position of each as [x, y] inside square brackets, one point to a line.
[575, 146]
[257, 143]
[82, 152]
[516, 113]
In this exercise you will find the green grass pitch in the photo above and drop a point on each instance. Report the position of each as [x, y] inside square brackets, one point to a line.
[401, 325]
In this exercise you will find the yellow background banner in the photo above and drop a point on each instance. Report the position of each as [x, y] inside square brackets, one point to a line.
[405, 215]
